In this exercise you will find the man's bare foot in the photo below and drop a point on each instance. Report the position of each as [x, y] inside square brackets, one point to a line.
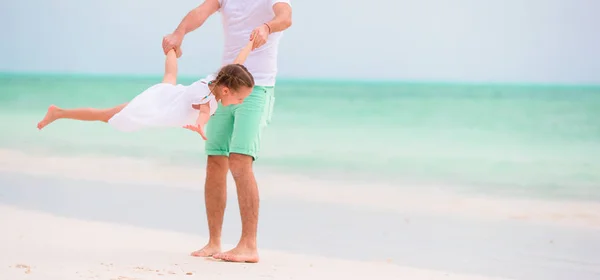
[51, 116]
[208, 251]
[239, 254]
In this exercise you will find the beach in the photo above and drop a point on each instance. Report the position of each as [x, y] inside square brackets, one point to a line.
[42, 246]
[90, 218]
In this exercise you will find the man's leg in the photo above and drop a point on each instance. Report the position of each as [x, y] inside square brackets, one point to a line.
[218, 132]
[250, 118]
[215, 197]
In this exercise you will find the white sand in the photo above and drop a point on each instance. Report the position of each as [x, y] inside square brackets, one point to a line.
[36, 245]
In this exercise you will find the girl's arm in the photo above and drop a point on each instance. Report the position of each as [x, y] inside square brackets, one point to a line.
[170, 76]
[241, 58]
[203, 116]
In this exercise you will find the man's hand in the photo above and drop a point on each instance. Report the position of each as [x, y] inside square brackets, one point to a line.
[260, 35]
[172, 41]
[178, 52]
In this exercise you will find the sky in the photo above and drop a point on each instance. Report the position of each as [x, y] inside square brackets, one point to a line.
[512, 41]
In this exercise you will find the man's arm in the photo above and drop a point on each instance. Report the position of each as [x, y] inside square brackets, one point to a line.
[196, 17]
[282, 19]
[192, 20]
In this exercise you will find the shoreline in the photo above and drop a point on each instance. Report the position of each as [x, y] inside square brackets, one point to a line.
[55, 247]
[379, 198]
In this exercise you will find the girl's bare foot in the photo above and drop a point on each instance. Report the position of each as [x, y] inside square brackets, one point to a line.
[208, 251]
[51, 116]
[238, 254]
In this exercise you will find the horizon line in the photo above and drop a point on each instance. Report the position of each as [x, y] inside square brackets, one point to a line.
[311, 79]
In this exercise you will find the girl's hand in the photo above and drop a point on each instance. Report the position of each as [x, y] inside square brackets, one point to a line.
[197, 128]
[203, 116]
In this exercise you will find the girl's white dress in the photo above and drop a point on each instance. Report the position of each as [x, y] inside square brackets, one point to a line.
[164, 105]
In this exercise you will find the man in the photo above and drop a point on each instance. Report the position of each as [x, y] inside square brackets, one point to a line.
[234, 132]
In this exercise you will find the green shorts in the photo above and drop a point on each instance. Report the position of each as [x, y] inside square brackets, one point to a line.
[238, 128]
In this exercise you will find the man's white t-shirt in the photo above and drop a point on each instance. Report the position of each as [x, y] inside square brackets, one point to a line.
[239, 18]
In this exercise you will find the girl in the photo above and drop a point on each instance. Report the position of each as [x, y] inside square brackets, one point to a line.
[169, 104]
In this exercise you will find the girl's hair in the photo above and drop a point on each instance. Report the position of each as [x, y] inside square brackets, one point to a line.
[234, 76]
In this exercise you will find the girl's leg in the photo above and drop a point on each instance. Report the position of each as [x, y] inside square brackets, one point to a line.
[81, 114]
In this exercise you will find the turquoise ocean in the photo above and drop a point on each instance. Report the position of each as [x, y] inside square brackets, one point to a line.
[535, 141]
